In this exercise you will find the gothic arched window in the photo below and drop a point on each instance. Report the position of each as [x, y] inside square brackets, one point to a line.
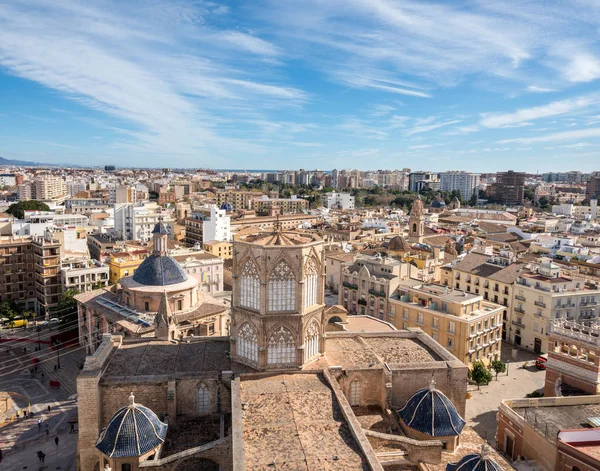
[203, 400]
[282, 288]
[247, 343]
[281, 348]
[250, 286]
[311, 341]
[311, 283]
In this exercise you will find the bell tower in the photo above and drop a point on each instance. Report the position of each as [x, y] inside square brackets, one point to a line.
[416, 221]
[278, 299]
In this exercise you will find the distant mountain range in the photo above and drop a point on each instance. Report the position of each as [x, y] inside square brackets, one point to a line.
[22, 163]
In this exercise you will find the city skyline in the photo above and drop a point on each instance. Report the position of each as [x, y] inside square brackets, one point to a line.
[480, 87]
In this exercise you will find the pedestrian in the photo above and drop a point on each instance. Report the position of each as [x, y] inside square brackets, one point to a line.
[72, 427]
[56, 440]
[48, 409]
[39, 424]
[43, 456]
[0, 455]
[39, 454]
[43, 375]
[47, 430]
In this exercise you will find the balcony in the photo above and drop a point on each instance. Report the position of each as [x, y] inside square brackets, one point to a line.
[362, 302]
[518, 324]
[349, 285]
[520, 298]
[589, 303]
[538, 314]
[540, 303]
[520, 310]
[377, 293]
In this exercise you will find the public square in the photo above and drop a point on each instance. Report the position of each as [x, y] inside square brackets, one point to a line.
[21, 439]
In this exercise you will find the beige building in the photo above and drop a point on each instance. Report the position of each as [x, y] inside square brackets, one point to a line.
[491, 276]
[334, 262]
[369, 282]
[49, 187]
[467, 325]
[265, 205]
[542, 295]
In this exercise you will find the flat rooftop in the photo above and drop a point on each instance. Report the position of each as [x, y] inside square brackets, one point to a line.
[550, 420]
[444, 293]
[159, 357]
[295, 422]
[357, 351]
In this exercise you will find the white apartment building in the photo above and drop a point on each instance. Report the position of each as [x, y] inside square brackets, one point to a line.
[217, 227]
[137, 222]
[543, 295]
[577, 212]
[74, 187]
[8, 179]
[83, 275]
[336, 200]
[467, 183]
[49, 187]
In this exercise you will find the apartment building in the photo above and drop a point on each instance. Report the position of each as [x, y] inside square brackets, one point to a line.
[217, 227]
[49, 187]
[124, 264]
[493, 277]
[465, 182]
[222, 249]
[592, 188]
[133, 222]
[85, 205]
[17, 273]
[334, 200]
[509, 187]
[84, 274]
[464, 323]
[8, 179]
[236, 198]
[542, 295]
[266, 205]
[205, 267]
[46, 261]
[118, 194]
[25, 191]
[334, 261]
[368, 283]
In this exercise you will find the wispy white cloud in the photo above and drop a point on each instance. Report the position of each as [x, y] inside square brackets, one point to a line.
[556, 137]
[429, 127]
[535, 89]
[557, 108]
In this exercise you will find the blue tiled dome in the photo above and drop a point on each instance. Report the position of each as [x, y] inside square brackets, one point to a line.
[430, 412]
[132, 431]
[159, 270]
[226, 207]
[475, 462]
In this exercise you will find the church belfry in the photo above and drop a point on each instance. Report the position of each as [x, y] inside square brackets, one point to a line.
[278, 299]
[416, 221]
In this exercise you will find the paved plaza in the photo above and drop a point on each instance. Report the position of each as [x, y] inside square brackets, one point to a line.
[483, 405]
[21, 439]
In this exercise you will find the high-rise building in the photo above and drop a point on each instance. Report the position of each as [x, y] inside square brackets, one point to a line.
[49, 187]
[510, 187]
[465, 182]
[592, 189]
[217, 227]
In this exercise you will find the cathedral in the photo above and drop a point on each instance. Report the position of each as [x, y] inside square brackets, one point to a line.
[290, 385]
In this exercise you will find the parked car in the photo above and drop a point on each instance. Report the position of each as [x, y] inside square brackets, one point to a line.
[540, 363]
[54, 320]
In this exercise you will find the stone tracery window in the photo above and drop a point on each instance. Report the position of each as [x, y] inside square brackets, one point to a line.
[203, 400]
[282, 288]
[281, 348]
[311, 282]
[250, 286]
[311, 341]
[247, 343]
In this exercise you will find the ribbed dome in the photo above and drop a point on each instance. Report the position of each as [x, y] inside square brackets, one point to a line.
[132, 431]
[159, 270]
[398, 243]
[475, 462]
[430, 412]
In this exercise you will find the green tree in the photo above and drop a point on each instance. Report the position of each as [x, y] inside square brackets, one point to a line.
[66, 310]
[473, 200]
[8, 311]
[544, 202]
[499, 367]
[18, 209]
[480, 373]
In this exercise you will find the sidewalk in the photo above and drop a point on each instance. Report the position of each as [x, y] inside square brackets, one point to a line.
[61, 457]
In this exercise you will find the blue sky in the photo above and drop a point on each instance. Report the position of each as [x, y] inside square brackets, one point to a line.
[480, 85]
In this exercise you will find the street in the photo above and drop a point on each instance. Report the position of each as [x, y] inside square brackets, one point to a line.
[22, 438]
